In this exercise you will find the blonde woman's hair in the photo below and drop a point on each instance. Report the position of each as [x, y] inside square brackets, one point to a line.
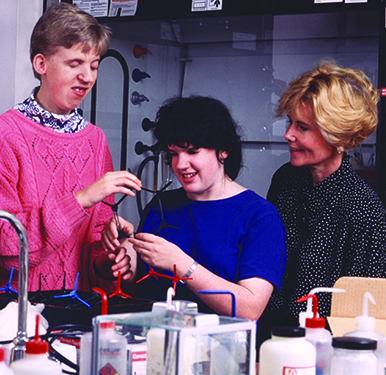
[343, 102]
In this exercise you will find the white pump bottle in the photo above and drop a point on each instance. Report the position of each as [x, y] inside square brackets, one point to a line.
[365, 326]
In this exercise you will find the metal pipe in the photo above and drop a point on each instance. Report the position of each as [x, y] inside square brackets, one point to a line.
[18, 350]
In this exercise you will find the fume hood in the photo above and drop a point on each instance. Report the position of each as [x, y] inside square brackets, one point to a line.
[242, 52]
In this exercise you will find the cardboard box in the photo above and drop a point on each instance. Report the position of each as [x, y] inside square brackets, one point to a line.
[136, 359]
[346, 306]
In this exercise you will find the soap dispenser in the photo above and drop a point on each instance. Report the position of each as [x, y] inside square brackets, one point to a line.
[365, 326]
[318, 336]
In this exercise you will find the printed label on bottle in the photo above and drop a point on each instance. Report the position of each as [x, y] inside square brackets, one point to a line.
[299, 370]
[108, 370]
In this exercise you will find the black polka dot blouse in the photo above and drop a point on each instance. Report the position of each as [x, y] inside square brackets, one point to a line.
[335, 229]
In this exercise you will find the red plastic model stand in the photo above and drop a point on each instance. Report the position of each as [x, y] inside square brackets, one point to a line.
[118, 290]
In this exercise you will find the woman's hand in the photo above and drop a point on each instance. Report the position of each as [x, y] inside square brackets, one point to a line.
[109, 235]
[110, 183]
[109, 264]
[160, 253]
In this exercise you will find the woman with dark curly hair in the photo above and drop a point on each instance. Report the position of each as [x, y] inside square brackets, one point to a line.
[219, 235]
[335, 223]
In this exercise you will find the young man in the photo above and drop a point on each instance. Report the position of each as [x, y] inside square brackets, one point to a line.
[56, 167]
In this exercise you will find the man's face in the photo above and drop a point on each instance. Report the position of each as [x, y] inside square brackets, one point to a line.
[67, 77]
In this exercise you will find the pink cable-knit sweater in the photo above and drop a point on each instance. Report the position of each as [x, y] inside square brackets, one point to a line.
[40, 170]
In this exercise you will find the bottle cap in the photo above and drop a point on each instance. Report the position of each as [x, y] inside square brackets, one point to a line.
[36, 345]
[288, 331]
[107, 325]
[315, 321]
[359, 343]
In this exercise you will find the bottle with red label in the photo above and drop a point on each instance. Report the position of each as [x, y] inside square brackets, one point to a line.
[112, 357]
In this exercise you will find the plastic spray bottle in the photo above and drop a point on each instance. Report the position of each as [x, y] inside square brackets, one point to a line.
[318, 336]
[308, 313]
[36, 361]
[365, 326]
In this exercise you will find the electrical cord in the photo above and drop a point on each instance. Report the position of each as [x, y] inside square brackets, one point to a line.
[71, 331]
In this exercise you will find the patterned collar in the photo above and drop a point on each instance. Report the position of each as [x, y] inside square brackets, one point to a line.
[333, 183]
[71, 123]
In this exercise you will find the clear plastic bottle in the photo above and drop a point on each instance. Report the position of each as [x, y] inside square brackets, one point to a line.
[4, 369]
[85, 349]
[85, 354]
[318, 336]
[365, 326]
[353, 356]
[36, 361]
[112, 350]
[287, 352]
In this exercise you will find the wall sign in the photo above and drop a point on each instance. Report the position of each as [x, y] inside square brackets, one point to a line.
[339, 1]
[204, 5]
[327, 1]
[100, 8]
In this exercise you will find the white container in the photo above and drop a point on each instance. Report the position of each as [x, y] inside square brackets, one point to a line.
[287, 352]
[381, 344]
[4, 369]
[365, 326]
[36, 361]
[353, 356]
[112, 350]
[85, 354]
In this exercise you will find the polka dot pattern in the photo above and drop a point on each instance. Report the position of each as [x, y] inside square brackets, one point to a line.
[335, 229]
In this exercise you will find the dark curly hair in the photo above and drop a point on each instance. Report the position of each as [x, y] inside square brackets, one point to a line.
[200, 122]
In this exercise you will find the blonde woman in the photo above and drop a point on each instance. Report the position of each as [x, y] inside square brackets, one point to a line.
[335, 223]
